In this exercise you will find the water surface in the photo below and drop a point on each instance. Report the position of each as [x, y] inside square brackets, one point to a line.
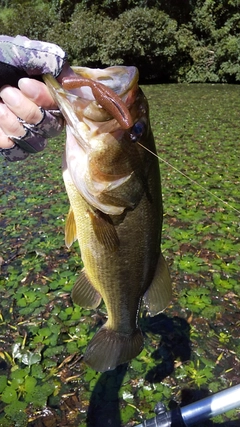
[194, 347]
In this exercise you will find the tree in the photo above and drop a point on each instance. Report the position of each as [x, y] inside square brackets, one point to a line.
[144, 38]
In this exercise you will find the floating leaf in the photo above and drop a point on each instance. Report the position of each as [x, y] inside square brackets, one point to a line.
[3, 383]
[9, 395]
[30, 384]
[37, 371]
[29, 358]
[16, 351]
[15, 408]
[19, 374]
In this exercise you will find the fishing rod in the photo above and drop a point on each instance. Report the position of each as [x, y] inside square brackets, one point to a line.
[195, 412]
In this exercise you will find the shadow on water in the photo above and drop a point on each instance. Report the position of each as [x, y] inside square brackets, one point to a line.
[174, 344]
[104, 404]
[104, 407]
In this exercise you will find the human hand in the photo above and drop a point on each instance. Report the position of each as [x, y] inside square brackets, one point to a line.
[28, 115]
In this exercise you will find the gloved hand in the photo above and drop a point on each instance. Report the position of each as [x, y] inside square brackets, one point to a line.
[21, 57]
[28, 115]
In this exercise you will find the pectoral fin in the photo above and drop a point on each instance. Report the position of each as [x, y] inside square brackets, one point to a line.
[159, 294]
[104, 230]
[84, 294]
[70, 229]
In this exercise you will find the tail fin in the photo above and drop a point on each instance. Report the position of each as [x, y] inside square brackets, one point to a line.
[109, 348]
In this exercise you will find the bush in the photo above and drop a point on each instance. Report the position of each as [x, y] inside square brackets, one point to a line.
[203, 69]
[144, 38]
[228, 59]
[29, 21]
[82, 37]
[206, 48]
[141, 37]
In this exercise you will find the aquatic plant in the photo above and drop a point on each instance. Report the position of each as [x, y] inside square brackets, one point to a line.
[194, 345]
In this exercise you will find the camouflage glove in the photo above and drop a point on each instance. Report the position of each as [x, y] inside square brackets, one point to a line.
[21, 57]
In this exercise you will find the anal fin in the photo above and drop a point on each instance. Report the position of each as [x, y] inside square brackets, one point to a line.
[84, 294]
[159, 294]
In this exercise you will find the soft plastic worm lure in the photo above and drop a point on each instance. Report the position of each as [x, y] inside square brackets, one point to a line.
[105, 96]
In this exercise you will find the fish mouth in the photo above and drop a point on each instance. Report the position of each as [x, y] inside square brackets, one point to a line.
[87, 110]
[99, 166]
[118, 78]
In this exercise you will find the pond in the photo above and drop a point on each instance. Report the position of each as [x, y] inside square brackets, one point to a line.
[193, 348]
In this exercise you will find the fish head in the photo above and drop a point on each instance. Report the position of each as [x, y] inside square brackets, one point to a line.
[105, 116]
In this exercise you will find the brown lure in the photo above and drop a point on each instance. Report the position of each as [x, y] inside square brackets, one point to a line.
[105, 96]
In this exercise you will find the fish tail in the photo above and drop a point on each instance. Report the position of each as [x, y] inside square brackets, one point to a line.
[109, 348]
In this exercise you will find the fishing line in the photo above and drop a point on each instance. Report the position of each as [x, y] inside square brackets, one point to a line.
[190, 179]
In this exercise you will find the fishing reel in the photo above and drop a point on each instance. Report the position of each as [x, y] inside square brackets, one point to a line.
[164, 418]
[193, 413]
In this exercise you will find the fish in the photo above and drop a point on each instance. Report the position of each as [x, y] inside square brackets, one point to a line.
[116, 213]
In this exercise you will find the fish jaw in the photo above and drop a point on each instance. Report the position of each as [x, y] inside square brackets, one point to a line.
[78, 108]
[67, 103]
[120, 79]
[106, 97]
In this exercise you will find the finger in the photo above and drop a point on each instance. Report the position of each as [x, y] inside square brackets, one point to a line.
[37, 92]
[5, 142]
[9, 124]
[20, 105]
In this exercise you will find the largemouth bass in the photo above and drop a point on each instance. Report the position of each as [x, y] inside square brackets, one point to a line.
[114, 189]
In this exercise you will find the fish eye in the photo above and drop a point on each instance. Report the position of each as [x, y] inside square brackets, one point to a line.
[137, 131]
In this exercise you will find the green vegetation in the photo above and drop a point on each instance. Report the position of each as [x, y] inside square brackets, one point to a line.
[191, 348]
[171, 41]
